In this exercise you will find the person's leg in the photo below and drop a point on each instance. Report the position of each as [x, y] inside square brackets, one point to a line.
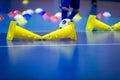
[73, 13]
[64, 13]
[94, 2]
[64, 8]
[75, 4]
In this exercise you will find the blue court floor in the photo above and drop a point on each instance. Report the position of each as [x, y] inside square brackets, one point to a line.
[94, 56]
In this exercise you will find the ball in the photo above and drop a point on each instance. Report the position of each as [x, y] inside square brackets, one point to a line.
[21, 21]
[18, 16]
[46, 15]
[54, 18]
[1, 18]
[27, 16]
[100, 15]
[11, 14]
[42, 13]
[24, 12]
[16, 12]
[25, 2]
[64, 23]
[58, 14]
[38, 10]
[30, 11]
[107, 14]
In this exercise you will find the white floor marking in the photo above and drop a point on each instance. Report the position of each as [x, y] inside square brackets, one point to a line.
[38, 45]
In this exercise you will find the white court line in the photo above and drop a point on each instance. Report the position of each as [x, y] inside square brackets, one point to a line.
[105, 44]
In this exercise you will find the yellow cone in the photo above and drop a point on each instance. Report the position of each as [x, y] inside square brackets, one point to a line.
[65, 32]
[116, 26]
[15, 31]
[93, 23]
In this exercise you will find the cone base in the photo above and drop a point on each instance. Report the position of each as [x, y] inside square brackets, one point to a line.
[15, 31]
[90, 23]
[11, 30]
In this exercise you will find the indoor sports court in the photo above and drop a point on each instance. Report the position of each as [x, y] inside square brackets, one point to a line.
[32, 47]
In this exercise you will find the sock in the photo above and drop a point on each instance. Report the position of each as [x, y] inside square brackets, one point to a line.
[93, 10]
[64, 14]
[72, 14]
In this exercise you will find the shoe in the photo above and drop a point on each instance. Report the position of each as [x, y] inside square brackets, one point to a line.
[64, 23]
[94, 3]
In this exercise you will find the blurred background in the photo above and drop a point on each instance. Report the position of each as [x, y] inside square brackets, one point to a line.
[94, 56]
[51, 7]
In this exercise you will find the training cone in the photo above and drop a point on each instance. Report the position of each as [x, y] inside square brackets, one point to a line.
[15, 31]
[94, 24]
[116, 26]
[65, 32]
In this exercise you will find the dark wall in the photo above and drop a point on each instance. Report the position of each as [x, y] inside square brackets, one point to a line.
[111, 0]
[48, 5]
[5, 5]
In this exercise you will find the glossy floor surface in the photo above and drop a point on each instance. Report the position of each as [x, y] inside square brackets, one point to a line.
[94, 56]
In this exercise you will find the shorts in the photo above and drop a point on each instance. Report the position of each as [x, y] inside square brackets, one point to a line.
[75, 4]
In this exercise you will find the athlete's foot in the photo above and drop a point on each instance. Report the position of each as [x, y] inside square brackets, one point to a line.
[94, 2]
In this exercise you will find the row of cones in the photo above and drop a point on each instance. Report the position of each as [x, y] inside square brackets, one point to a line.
[94, 24]
[16, 31]
[69, 31]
